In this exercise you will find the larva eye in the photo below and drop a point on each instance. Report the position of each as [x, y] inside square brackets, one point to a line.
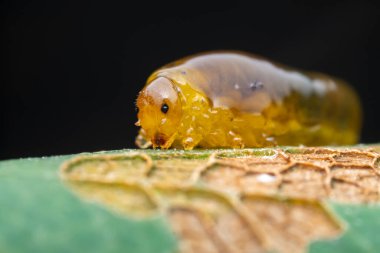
[164, 108]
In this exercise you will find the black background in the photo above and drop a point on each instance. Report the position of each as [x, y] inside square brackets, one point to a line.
[72, 69]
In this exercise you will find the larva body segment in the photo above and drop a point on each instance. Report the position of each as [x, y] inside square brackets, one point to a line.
[227, 99]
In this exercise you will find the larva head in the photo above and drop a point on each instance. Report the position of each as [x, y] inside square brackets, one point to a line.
[160, 112]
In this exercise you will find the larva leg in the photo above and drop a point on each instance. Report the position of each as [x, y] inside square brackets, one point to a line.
[191, 140]
[141, 140]
[235, 140]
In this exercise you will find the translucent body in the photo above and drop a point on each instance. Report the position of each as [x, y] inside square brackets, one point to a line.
[238, 100]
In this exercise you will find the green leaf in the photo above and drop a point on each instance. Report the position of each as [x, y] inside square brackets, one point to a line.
[39, 214]
[248, 200]
[362, 230]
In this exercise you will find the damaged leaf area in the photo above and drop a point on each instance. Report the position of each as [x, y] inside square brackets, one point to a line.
[250, 200]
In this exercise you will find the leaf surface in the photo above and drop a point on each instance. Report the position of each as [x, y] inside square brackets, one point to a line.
[38, 213]
[252, 200]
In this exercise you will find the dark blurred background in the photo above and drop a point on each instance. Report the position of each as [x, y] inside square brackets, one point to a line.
[72, 69]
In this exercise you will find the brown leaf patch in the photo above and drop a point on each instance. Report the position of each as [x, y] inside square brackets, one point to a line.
[251, 200]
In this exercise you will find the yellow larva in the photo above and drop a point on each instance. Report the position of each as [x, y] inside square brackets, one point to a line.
[234, 100]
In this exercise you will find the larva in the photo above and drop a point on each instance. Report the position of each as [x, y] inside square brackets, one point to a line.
[235, 100]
